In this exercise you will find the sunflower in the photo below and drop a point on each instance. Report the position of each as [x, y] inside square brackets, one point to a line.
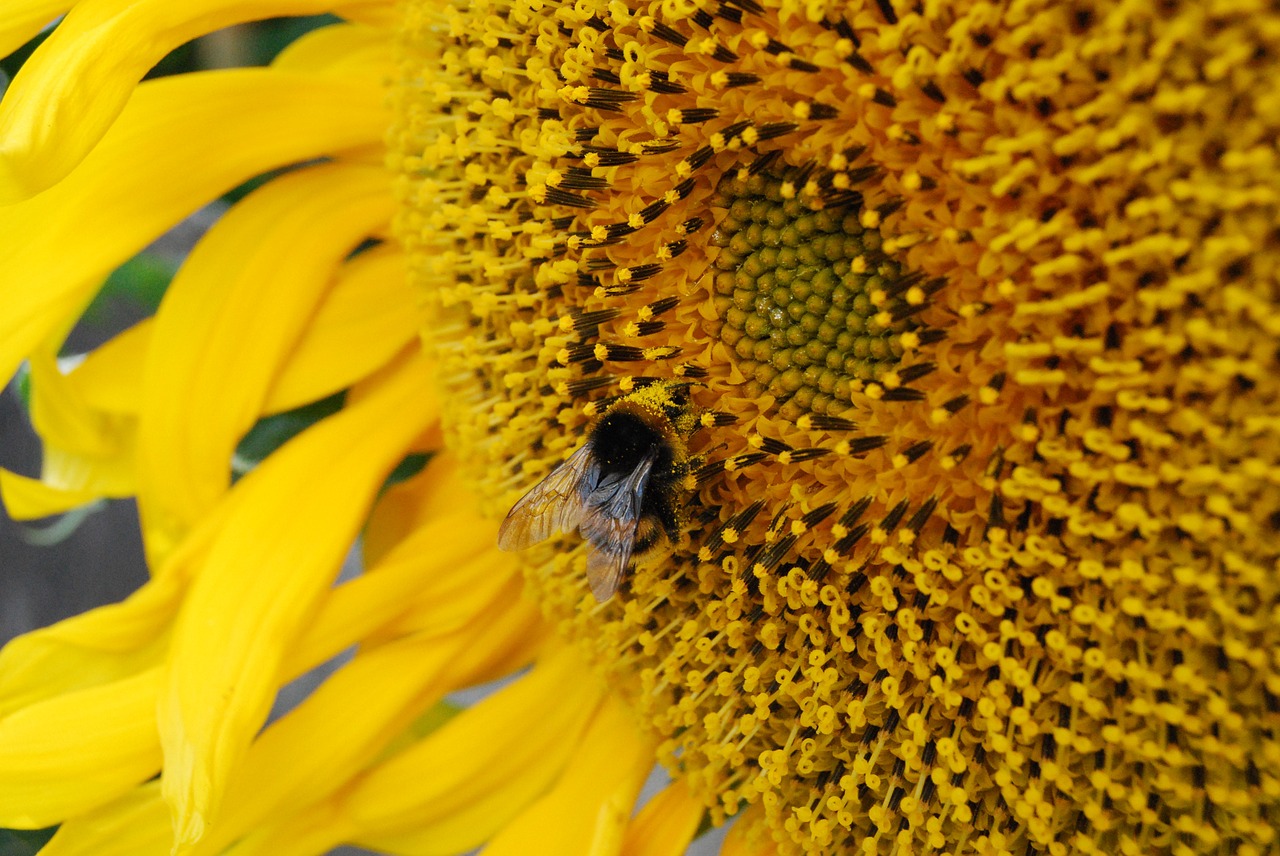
[976, 312]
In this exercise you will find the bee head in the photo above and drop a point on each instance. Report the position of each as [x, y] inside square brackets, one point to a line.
[624, 436]
[658, 415]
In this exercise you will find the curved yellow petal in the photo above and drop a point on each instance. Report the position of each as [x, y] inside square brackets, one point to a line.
[21, 20]
[376, 697]
[455, 788]
[136, 183]
[587, 811]
[109, 379]
[84, 449]
[263, 579]
[88, 422]
[519, 638]
[30, 499]
[230, 319]
[666, 824]
[75, 85]
[338, 47]
[428, 568]
[467, 591]
[297, 761]
[384, 14]
[367, 317]
[136, 824]
[60, 415]
[748, 836]
[69, 754]
[96, 647]
[405, 507]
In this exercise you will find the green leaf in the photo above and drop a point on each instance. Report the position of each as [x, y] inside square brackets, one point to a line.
[24, 842]
[273, 432]
[141, 281]
[22, 386]
[407, 468]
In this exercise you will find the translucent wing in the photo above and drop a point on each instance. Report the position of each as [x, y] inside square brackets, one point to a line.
[554, 505]
[610, 524]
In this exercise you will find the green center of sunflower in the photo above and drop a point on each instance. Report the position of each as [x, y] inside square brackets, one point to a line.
[811, 305]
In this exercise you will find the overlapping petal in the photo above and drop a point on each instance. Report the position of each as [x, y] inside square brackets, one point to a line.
[451, 791]
[230, 320]
[85, 449]
[419, 573]
[103, 645]
[75, 85]
[136, 824]
[20, 20]
[667, 823]
[404, 507]
[109, 379]
[587, 810]
[88, 418]
[60, 756]
[748, 836]
[26, 498]
[376, 697]
[339, 48]
[136, 183]
[379, 693]
[368, 315]
[263, 579]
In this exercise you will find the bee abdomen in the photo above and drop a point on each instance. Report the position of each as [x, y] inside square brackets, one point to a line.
[649, 532]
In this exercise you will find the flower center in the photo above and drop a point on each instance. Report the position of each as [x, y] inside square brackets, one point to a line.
[805, 296]
[979, 309]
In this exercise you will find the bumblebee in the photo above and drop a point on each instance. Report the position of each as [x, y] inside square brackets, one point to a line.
[622, 489]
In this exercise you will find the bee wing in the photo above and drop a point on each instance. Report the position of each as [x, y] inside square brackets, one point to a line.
[554, 505]
[610, 527]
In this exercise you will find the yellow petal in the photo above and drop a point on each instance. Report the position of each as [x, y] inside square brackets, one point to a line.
[96, 647]
[69, 754]
[586, 812]
[137, 182]
[454, 789]
[221, 337]
[428, 568]
[749, 836]
[338, 47]
[376, 696]
[30, 499]
[88, 420]
[520, 638]
[297, 760]
[110, 378]
[666, 824]
[263, 579]
[84, 449]
[21, 20]
[367, 317]
[75, 85]
[405, 507]
[477, 583]
[136, 824]
[384, 14]
[60, 415]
